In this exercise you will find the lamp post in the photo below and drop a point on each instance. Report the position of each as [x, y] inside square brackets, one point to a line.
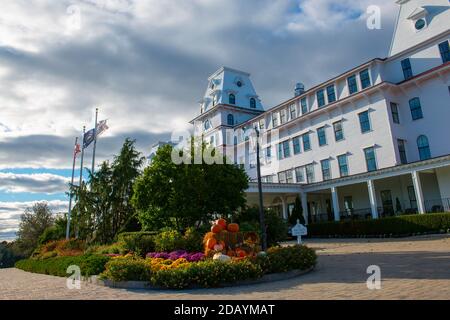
[261, 208]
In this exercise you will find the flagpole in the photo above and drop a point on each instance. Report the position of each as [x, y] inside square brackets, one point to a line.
[81, 172]
[70, 193]
[95, 140]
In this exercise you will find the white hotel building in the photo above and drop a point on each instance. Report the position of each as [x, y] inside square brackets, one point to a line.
[371, 142]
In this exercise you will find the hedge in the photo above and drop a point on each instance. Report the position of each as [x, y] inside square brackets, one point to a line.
[392, 226]
[57, 266]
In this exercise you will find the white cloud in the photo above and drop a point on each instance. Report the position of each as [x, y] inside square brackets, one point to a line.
[10, 213]
[33, 183]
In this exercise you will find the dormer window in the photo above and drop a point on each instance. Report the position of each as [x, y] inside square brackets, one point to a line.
[239, 84]
[232, 98]
[253, 103]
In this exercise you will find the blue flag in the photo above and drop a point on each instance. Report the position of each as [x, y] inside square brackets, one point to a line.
[88, 138]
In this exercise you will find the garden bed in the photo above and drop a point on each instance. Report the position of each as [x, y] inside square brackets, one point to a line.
[146, 285]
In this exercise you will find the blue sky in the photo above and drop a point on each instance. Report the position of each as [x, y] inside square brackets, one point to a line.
[145, 65]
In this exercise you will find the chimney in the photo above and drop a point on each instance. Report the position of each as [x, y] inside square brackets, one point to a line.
[299, 89]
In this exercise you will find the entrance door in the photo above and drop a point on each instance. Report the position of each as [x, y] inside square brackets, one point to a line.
[388, 205]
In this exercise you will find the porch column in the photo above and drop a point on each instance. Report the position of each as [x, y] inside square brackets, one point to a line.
[285, 208]
[373, 199]
[418, 190]
[335, 198]
[304, 197]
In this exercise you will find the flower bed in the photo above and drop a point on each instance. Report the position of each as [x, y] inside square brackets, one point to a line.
[179, 273]
[179, 254]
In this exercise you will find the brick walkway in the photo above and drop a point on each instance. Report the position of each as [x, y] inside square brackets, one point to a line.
[412, 268]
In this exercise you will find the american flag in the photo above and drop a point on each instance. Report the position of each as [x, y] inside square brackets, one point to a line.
[77, 150]
[102, 127]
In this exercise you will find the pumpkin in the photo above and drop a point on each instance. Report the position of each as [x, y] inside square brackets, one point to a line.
[233, 227]
[221, 257]
[216, 228]
[222, 222]
[211, 243]
[231, 253]
[240, 253]
[218, 247]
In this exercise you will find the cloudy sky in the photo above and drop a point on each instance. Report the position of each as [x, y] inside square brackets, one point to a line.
[144, 63]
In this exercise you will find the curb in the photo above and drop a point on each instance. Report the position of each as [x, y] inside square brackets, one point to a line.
[144, 285]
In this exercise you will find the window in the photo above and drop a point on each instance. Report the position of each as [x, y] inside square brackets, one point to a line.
[304, 105]
[407, 70]
[416, 109]
[293, 112]
[326, 171]
[262, 124]
[320, 98]
[338, 131]
[289, 176]
[424, 148]
[343, 165]
[230, 120]
[371, 161]
[232, 99]
[306, 142]
[321, 135]
[364, 122]
[300, 175]
[352, 84]
[365, 79]
[402, 151]
[310, 178]
[211, 140]
[445, 51]
[284, 150]
[420, 24]
[282, 177]
[207, 125]
[274, 120]
[214, 99]
[282, 116]
[296, 143]
[253, 103]
[394, 111]
[331, 94]
[268, 152]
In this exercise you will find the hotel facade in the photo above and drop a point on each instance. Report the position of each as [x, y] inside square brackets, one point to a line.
[371, 142]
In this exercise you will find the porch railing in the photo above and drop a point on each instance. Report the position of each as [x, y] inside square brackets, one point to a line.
[356, 214]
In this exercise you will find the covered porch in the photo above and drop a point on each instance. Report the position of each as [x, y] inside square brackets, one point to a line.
[421, 187]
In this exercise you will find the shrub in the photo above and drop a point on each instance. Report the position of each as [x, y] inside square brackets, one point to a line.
[192, 241]
[170, 240]
[51, 234]
[395, 226]
[138, 242]
[57, 266]
[283, 259]
[61, 248]
[115, 248]
[127, 269]
[207, 274]
[276, 227]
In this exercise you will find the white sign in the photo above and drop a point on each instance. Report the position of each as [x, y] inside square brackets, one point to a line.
[299, 230]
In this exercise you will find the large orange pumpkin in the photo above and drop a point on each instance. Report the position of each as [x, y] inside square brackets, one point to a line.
[211, 243]
[233, 227]
[241, 253]
[216, 228]
[222, 222]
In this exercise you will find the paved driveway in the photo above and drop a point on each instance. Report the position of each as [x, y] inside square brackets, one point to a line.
[411, 268]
